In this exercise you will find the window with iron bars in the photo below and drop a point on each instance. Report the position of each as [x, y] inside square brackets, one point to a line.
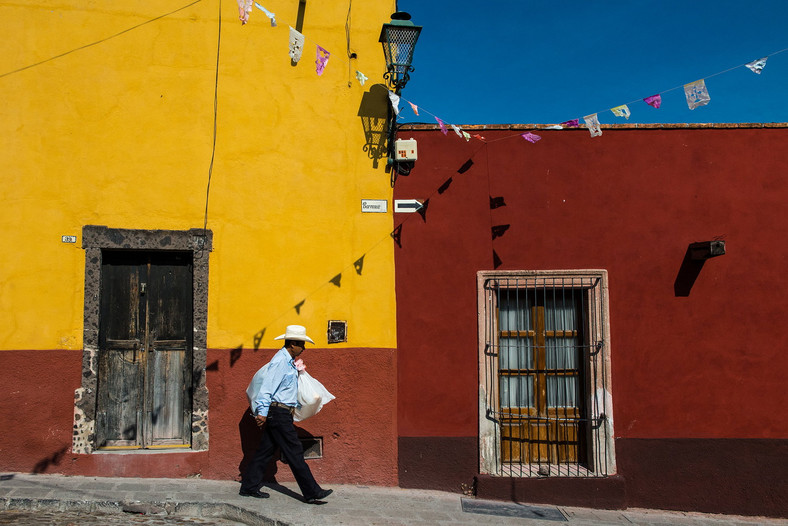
[544, 370]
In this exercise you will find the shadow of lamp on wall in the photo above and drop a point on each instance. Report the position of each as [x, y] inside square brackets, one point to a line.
[694, 258]
[374, 114]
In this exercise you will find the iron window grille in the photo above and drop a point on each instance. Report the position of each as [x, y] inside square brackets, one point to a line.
[544, 363]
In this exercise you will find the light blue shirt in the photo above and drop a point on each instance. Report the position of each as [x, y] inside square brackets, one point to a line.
[280, 384]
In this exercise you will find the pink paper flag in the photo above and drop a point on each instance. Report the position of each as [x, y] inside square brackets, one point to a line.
[654, 100]
[414, 108]
[244, 10]
[530, 137]
[574, 123]
[322, 60]
[443, 126]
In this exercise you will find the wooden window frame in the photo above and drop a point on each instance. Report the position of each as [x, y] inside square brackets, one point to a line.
[597, 400]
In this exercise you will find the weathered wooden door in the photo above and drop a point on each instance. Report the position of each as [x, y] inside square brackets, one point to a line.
[145, 357]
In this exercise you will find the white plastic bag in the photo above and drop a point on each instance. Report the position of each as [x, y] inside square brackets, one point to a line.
[311, 395]
[255, 384]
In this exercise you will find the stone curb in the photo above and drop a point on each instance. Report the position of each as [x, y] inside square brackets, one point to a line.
[193, 509]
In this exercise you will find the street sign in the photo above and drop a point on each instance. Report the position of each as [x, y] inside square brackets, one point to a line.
[407, 205]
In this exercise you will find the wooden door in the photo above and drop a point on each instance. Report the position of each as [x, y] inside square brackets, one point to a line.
[145, 359]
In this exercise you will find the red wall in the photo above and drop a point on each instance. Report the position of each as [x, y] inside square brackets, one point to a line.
[710, 365]
[707, 365]
[358, 427]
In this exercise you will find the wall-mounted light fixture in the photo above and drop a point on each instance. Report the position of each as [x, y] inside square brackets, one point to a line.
[398, 38]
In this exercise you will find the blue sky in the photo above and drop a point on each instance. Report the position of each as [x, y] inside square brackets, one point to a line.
[549, 61]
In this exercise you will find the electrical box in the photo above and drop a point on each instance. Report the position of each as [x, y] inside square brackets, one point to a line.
[405, 150]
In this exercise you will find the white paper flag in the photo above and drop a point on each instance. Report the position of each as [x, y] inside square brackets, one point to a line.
[621, 111]
[592, 122]
[697, 94]
[361, 77]
[296, 44]
[394, 98]
[757, 65]
[268, 13]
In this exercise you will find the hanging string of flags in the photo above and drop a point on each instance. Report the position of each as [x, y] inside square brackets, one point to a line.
[696, 94]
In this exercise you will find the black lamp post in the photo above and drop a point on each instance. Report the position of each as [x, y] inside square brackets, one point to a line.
[398, 38]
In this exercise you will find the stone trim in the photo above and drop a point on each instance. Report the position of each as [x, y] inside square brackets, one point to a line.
[98, 238]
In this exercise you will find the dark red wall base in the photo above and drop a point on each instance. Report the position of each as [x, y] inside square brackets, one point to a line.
[604, 493]
[734, 476]
[442, 463]
[730, 476]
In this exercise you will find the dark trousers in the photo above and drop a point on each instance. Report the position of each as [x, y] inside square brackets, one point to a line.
[280, 431]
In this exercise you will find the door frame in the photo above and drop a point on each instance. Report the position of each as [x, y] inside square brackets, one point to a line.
[97, 238]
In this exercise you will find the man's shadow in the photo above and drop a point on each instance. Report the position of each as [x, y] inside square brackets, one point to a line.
[250, 440]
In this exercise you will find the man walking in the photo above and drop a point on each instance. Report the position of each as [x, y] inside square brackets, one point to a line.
[273, 408]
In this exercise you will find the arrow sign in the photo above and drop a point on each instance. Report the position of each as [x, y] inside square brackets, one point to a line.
[407, 205]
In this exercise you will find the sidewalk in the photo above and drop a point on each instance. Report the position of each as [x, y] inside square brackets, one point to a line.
[348, 505]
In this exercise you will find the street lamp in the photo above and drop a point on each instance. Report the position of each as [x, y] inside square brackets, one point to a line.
[398, 38]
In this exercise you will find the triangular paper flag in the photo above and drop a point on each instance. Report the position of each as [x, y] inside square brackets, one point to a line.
[268, 13]
[697, 94]
[442, 126]
[361, 77]
[358, 265]
[397, 235]
[258, 338]
[298, 306]
[394, 98]
[654, 100]
[322, 60]
[235, 354]
[756, 66]
[496, 202]
[296, 45]
[445, 186]
[414, 108]
[530, 137]
[592, 122]
[499, 230]
[621, 111]
[244, 10]
[336, 280]
[466, 135]
[496, 260]
[423, 210]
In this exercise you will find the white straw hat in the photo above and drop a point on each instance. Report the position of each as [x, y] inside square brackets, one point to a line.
[295, 332]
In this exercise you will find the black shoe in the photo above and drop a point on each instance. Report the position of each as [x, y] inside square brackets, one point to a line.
[322, 494]
[256, 494]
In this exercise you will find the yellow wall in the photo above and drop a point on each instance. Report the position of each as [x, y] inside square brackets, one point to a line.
[119, 134]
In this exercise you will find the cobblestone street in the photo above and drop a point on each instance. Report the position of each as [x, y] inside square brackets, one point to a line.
[97, 518]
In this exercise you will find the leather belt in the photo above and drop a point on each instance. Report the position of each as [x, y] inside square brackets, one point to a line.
[288, 408]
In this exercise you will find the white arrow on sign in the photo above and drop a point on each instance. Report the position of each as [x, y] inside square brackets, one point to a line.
[407, 205]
